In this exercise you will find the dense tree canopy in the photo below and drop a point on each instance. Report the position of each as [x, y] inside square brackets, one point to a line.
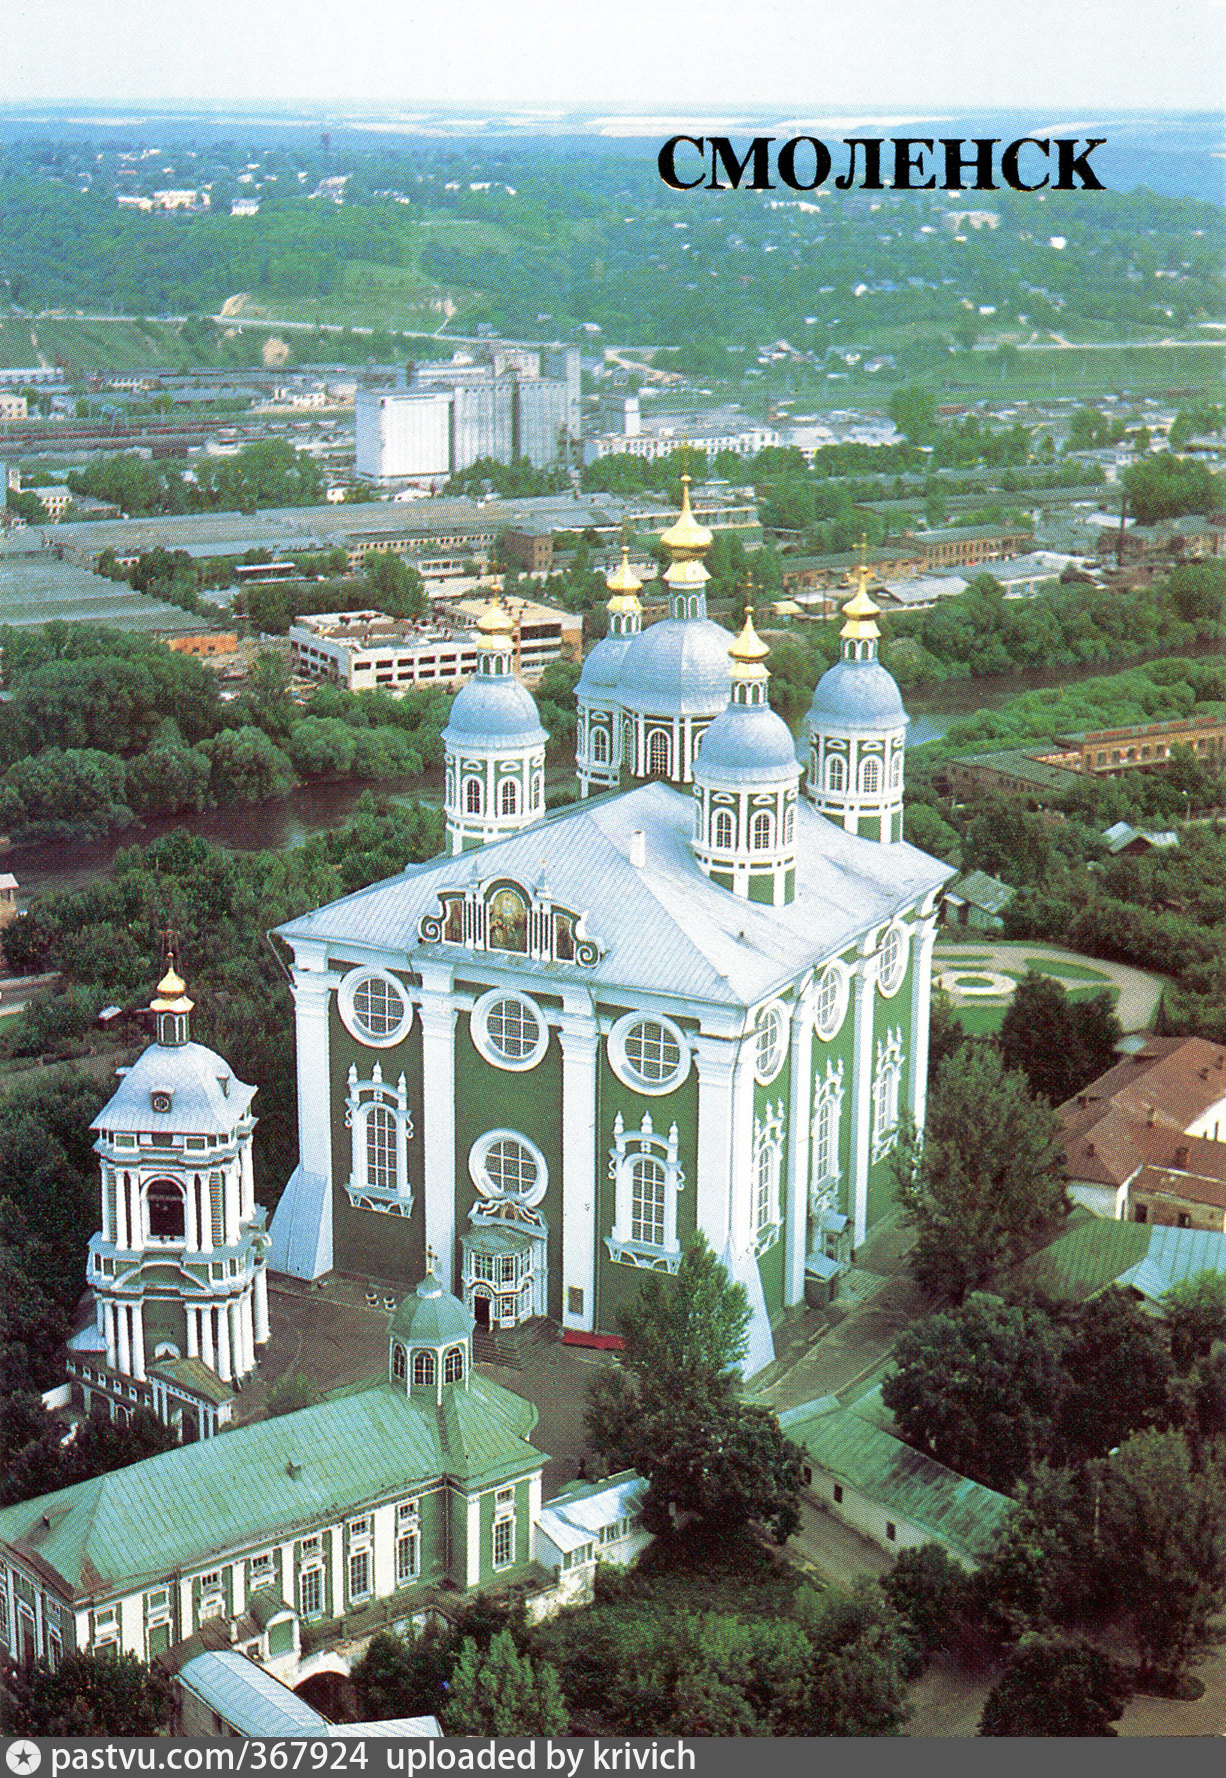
[1059, 1044]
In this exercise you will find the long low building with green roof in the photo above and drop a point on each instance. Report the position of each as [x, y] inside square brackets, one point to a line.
[384, 1492]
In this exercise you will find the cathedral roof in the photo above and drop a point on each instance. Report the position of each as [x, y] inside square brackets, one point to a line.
[857, 697]
[603, 665]
[663, 926]
[747, 744]
[261, 1480]
[206, 1097]
[494, 708]
[431, 1316]
[679, 667]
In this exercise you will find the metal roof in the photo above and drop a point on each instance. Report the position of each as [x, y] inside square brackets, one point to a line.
[747, 744]
[254, 1484]
[577, 1514]
[857, 697]
[664, 926]
[958, 1512]
[679, 666]
[247, 1697]
[207, 1098]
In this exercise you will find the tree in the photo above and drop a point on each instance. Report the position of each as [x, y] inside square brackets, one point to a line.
[914, 412]
[669, 1409]
[856, 1679]
[1058, 1044]
[989, 1185]
[246, 767]
[1196, 1317]
[977, 1387]
[501, 1692]
[90, 1695]
[930, 1592]
[1118, 1373]
[1054, 1687]
[402, 1675]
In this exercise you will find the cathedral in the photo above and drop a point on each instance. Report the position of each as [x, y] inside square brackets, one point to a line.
[696, 999]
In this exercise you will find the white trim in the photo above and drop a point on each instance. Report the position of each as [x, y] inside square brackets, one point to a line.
[478, 1026]
[624, 1069]
[836, 976]
[486, 1186]
[889, 984]
[626, 1153]
[363, 1099]
[779, 1055]
[353, 981]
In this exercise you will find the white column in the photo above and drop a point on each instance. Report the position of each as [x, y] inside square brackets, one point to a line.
[716, 1058]
[121, 1212]
[921, 1015]
[246, 1206]
[193, 1331]
[796, 1213]
[138, 1341]
[108, 1328]
[207, 1350]
[223, 1367]
[312, 993]
[473, 1551]
[125, 1345]
[247, 1325]
[136, 1224]
[206, 1213]
[229, 1186]
[438, 1101]
[741, 1158]
[260, 1293]
[191, 1213]
[579, 1038]
[864, 987]
[108, 1205]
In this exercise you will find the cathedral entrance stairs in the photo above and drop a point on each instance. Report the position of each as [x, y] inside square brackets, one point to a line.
[510, 1346]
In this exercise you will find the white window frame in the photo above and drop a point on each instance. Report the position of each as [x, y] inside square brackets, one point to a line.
[479, 1030]
[494, 1199]
[408, 1554]
[629, 1147]
[887, 1092]
[355, 980]
[504, 1522]
[764, 1212]
[871, 766]
[314, 1575]
[718, 818]
[892, 958]
[826, 1133]
[363, 1096]
[836, 768]
[363, 1553]
[780, 1015]
[625, 1070]
[830, 996]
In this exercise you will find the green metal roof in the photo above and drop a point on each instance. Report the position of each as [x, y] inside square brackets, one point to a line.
[1091, 1254]
[431, 1315]
[958, 1513]
[248, 1486]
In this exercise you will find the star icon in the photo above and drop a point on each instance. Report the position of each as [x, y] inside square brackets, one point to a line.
[23, 1756]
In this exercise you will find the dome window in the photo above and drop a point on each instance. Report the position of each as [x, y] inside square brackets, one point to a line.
[453, 1365]
[763, 831]
[508, 797]
[723, 832]
[473, 798]
[836, 773]
[399, 1364]
[374, 1008]
[870, 777]
[658, 752]
[424, 1368]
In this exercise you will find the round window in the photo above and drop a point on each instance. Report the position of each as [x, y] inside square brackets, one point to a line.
[830, 1000]
[509, 1030]
[893, 965]
[374, 1007]
[772, 1042]
[650, 1055]
[507, 1169]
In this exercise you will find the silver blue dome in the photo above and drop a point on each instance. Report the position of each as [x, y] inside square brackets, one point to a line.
[495, 709]
[747, 744]
[857, 697]
[679, 667]
[603, 666]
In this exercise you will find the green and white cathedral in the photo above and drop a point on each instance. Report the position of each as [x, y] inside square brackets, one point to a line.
[696, 999]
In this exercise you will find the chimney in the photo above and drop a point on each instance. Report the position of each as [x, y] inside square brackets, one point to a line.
[638, 848]
[1181, 1158]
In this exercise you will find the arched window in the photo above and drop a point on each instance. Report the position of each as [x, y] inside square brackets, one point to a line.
[423, 1368]
[538, 790]
[647, 1201]
[887, 1083]
[167, 1211]
[722, 830]
[398, 1363]
[658, 751]
[508, 797]
[763, 831]
[599, 747]
[381, 1130]
[826, 1138]
[836, 773]
[473, 798]
[789, 825]
[870, 777]
[453, 1365]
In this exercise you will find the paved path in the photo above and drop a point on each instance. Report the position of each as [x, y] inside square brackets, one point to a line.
[1139, 992]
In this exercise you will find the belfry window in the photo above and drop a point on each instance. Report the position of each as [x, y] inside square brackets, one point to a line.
[508, 797]
[473, 798]
[167, 1211]
[723, 831]
[763, 831]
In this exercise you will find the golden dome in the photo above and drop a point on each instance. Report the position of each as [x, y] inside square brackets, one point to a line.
[625, 586]
[172, 984]
[171, 994]
[749, 651]
[859, 611]
[495, 620]
[687, 536]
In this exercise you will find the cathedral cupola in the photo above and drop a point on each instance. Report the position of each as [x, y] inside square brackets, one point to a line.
[856, 729]
[430, 1341]
[598, 731]
[493, 745]
[675, 676]
[173, 1008]
[745, 779]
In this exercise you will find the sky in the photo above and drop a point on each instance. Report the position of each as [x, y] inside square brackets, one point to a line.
[812, 58]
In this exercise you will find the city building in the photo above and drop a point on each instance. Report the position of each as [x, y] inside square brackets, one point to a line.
[366, 650]
[1040, 775]
[699, 1004]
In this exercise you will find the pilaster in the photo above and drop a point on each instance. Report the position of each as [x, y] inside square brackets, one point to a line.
[716, 1059]
[796, 1215]
[863, 987]
[438, 1133]
[579, 1038]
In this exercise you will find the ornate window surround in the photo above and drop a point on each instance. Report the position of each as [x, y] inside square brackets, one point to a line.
[824, 1131]
[887, 1089]
[781, 1015]
[767, 1149]
[629, 1147]
[482, 1041]
[893, 954]
[362, 1098]
[494, 1205]
[833, 985]
[620, 1063]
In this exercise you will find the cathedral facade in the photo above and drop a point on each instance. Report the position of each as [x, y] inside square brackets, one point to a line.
[697, 999]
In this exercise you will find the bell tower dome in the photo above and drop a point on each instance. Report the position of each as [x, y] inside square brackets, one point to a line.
[493, 745]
